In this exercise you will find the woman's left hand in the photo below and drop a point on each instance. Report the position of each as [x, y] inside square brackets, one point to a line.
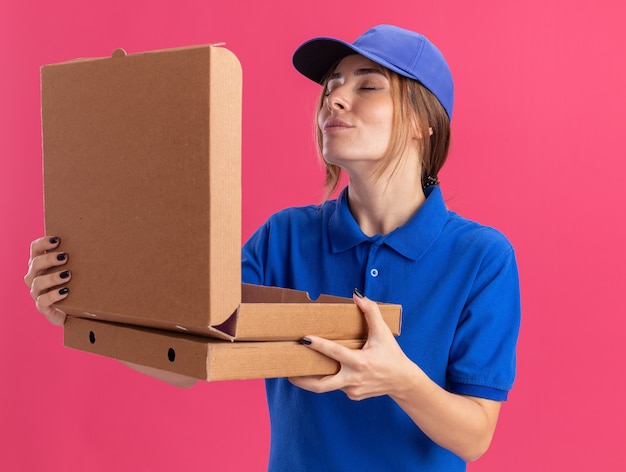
[376, 369]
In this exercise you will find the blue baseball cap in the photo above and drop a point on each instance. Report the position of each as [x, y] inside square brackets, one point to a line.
[405, 52]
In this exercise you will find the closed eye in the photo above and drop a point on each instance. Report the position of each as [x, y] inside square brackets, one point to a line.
[331, 85]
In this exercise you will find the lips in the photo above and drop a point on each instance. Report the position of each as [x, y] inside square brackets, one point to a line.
[335, 125]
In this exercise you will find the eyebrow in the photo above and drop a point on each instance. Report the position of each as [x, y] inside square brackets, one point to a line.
[362, 71]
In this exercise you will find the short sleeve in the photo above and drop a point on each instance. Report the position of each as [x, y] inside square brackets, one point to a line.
[482, 356]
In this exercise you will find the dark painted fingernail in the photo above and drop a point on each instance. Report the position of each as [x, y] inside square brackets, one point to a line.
[61, 257]
[64, 291]
[305, 341]
[53, 240]
[358, 293]
[65, 274]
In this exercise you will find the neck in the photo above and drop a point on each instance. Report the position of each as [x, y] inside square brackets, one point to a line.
[384, 204]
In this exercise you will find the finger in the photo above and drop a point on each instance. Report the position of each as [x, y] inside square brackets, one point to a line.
[341, 354]
[39, 265]
[44, 305]
[371, 311]
[318, 384]
[347, 358]
[41, 245]
[44, 283]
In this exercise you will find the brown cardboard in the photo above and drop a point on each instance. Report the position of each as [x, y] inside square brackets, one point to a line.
[198, 357]
[142, 157]
[274, 314]
[142, 182]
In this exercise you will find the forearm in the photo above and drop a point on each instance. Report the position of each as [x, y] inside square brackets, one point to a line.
[172, 378]
[461, 424]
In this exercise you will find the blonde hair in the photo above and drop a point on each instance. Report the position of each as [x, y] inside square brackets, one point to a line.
[417, 112]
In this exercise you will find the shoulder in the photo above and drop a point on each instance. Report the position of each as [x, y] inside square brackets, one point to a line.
[299, 212]
[471, 235]
[301, 216]
[291, 224]
[287, 238]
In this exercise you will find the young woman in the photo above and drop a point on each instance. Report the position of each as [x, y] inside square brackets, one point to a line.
[430, 398]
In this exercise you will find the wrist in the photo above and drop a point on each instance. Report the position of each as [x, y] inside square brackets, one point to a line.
[410, 380]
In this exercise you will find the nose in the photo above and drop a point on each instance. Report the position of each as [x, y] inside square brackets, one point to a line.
[337, 99]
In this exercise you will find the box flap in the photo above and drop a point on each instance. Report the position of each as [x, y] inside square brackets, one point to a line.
[251, 293]
[273, 313]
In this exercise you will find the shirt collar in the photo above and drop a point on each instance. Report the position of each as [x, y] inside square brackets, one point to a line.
[411, 240]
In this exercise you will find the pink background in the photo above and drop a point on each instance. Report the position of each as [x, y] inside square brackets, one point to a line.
[538, 151]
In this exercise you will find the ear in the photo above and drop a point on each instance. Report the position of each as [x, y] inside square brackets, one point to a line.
[418, 135]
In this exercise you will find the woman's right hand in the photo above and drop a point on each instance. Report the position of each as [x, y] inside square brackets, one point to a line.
[45, 286]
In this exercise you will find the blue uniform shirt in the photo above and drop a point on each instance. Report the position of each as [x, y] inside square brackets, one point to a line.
[458, 285]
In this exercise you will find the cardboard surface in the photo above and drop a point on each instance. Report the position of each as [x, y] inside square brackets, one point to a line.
[142, 182]
[274, 314]
[201, 358]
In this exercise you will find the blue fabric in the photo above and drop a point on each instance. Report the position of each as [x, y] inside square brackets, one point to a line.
[458, 284]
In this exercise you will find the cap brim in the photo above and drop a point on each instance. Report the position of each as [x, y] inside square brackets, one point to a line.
[314, 58]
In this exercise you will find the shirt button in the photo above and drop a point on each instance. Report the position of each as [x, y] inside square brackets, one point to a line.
[374, 272]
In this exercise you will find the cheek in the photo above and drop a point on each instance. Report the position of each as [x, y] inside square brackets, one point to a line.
[382, 130]
[384, 125]
[381, 115]
[321, 116]
[388, 117]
